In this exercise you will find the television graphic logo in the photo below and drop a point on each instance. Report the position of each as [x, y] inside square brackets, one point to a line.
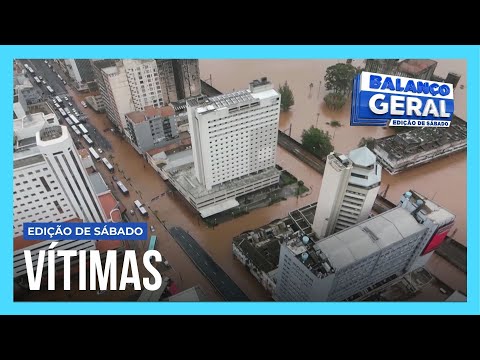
[379, 99]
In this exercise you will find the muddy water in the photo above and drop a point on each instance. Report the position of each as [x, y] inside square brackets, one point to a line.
[229, 75]
[443, 180]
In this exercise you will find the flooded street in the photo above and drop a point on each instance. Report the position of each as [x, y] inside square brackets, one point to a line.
[444, 180]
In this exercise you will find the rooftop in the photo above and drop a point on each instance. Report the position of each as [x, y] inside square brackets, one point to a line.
[98, 183]
[182, 142]
[415, 66]
[365, 238]
[418, 140]
[262, 246]
[49, 133]
[112, 207]
[362, 157]
[150, 112]
[242, 97]
[83, 153]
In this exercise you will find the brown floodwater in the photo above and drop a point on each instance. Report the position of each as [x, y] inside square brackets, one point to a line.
[443, 180]
[437, 179]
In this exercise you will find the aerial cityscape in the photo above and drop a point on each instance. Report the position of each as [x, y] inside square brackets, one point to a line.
[252, 182]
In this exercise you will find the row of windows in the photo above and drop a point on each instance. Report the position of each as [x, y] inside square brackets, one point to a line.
[235, 116]
[242, 124]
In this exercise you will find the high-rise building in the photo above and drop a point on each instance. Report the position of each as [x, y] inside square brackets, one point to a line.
[353, 262]
[234, 141]
[151, 128]
[97, 66]
[179, 79]
[412, 68]
[234, 135]
[117, 95]
[349, 187]
[50, 182]
[144, 81]
[81, 72]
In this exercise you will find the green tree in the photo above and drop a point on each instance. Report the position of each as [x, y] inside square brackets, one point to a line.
[335, 101]
[339, 78]
[317, 141]
[369, 142]
[287, 100]
[335, 123]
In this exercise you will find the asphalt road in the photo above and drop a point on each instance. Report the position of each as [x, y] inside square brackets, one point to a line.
[209, 268]
[52, 80]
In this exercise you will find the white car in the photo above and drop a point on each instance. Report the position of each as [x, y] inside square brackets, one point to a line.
[44, 82]
[152, 228]
[100, 151]
[70, 104]
[66, 98]
[45, 61]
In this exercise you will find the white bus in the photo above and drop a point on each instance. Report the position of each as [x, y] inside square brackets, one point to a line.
[37, 80]
[88, 140]
[83, 129]
[67, 110]
[74, 128]
[59, 100]
[64, 114]
[57, 106]
[94, 153]
[74, 119]
[69, 122]
[140, 208]
[50, 90]
[59, 77]
[122, 188]
[108, 165]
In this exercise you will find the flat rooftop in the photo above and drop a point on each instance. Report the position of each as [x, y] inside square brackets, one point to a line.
[362, 240]
[150, 112]
[418, 140]
[111, 207]
[187, 179]
[262, 246]
[180, 144]
[98, 183]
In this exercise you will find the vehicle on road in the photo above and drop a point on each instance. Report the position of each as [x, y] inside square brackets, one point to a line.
[70, 104]
[50, 90]
[132, 212]
[64, 82]
[66, 98]
[67, 110]
[44, 82]
[140, 208]
[114, 178]
[40, 77]
[122, 187]
[88, 140]
[94, 153]
[84, 104]
[108, 165]
[50, 66]
[100, 151]
[152, 228]
[45, 61]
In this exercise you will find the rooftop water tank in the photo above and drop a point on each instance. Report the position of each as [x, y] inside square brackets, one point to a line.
[408, 194]
[305, 240]
[304, 256]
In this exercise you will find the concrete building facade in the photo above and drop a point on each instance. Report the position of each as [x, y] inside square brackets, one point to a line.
[179, 79]
[351, 263]
[117, 92]
[50, 182]
[144, 81]
[151, 128]
[234, 135]
[81, 72]
[349, 187]
[97, 66]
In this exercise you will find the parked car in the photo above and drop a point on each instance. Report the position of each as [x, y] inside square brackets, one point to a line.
[66, 98]
[70, 104]
[152, 228]
[44, 82]
[132, 212]
[100, 151]
[64, 82]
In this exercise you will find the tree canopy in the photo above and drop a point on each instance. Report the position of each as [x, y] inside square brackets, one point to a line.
[369, 142]
[339, 78]
[317, 141]
[287, 100]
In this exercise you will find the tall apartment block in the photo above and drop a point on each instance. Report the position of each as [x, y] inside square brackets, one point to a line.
[144, 81]
[97, 66]
[234, 140]
[349, 264]
[50, 182]
[179, 79]
[151, 128]
[81, 72]
[349, 188]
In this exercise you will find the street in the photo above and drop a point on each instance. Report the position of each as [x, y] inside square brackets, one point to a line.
[221, 281]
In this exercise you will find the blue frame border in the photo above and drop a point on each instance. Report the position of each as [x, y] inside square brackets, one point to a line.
[470, 53]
